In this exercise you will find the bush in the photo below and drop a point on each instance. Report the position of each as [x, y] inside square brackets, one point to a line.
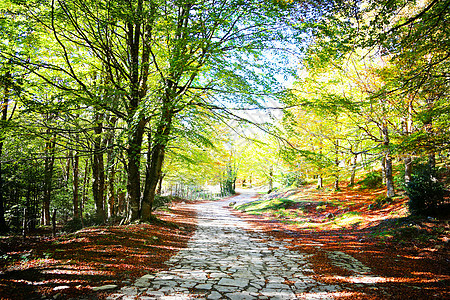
[72, 225]
[425, 192]
[372, 180]
[75, 224]
[161, 201]
[380, 201]
[292, 179]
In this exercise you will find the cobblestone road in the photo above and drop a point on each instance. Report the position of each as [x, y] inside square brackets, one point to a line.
[225, 261]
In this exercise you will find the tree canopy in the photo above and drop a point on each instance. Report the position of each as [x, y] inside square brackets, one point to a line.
[105, 100]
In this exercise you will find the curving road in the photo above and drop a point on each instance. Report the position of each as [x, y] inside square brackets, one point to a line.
[226, 259]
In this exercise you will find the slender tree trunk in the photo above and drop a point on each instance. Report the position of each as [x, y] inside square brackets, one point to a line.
[111, 170]
[69, 163]
[75, 186]
[383, 168]
[336, 163]
[319, 181]
[408, 168]
[98, 172]
[429, 129]
[336, 183]
[54, 223]
[353, 174]
[48, 166]
[390, 191]
[112, 192]
[84, 192]
[407, 130]
[24, 223]
[4, 114]
[159, 189]
[147, 183]
[270, 179]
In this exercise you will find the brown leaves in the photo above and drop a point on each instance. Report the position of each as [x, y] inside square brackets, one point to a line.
[92, 257]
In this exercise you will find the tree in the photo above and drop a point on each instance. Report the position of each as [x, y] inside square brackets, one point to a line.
[155, 59]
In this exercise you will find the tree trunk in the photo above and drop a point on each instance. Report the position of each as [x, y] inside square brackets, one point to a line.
[112, 193]
[383, 168]
[98, 172]
[159, 189]
[336, 183]
[336, 163]
[429, 129]
[407, 130]
[157, 159]
[84, 191]
[121, 203]
[24, 224]
[319, 181]
[48, 166]
[69, 164]
[75, 186]
[390, 191]
[54, 223]
[111, 171]
[4, 114]
[408, 168]
[270, 179]
[353, 174]
[133, 172]
[136, 130]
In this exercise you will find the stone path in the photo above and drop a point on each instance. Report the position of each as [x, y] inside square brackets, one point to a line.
[225, 261]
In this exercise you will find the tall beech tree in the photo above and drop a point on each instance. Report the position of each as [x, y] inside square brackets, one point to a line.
[157, 58]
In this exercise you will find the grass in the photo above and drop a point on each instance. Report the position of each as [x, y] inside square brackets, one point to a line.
[261, 206]
[347, 219]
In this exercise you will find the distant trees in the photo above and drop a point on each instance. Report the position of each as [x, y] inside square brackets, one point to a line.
[103, 100]
[112, 83]
[382, 67]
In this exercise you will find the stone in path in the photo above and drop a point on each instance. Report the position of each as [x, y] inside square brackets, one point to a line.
[223, 260]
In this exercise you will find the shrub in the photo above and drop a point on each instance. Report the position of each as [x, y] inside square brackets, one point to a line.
[75, 224]
[372, 180]
[380, 201]
[292, 179]
[161, 201]
[72, 225]
[425, 192]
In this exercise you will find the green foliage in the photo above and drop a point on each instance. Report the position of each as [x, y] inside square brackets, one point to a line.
[425, 192]
[161, 201]
[372, 180]
[266, 205]
[14, 217]
[75, 224]
[292, 179]
[380, 201]
[228, 181]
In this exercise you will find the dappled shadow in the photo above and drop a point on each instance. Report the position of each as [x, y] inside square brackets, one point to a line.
[399, 270]
[72, 264]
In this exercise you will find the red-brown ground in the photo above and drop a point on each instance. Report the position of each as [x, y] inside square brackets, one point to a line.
[405, 265]
[91, 257]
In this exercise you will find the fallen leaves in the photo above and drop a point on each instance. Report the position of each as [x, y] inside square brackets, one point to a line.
[91, 257]
[409, 263]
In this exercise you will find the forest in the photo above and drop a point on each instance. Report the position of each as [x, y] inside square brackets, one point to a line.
[108, 107]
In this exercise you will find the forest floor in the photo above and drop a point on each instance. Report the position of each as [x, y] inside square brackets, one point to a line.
[72, 265]
[409, 257]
